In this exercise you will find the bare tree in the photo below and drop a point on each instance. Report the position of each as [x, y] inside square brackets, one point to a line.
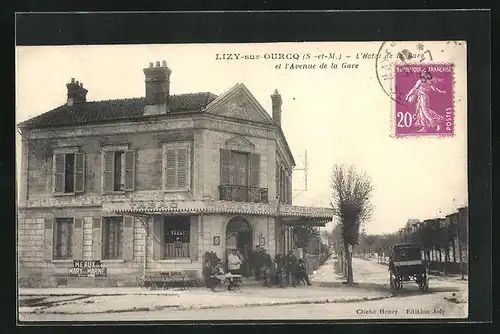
[351, 204]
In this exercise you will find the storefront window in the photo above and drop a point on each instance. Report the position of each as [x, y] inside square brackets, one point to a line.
[176, 237]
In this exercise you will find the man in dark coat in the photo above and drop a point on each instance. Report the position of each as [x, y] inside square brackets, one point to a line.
[256, 262]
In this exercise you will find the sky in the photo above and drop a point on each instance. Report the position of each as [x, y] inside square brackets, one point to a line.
[340, 115]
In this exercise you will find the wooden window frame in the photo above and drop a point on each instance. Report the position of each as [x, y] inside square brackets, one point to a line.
[65, 151]
[104, 235]
[55, 227]
[112, 149]
[163, 258]
[175, 146]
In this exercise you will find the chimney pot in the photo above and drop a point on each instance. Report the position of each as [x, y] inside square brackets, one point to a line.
[157, 79]
[276, 103]
[76, 92]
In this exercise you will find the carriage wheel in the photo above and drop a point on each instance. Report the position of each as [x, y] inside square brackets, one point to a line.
[400, 284]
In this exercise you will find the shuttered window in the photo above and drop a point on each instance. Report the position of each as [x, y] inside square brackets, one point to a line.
[177, 166]
[241, 169]
[69, 173]
[112, 238]
[118, 171]
[63, 232]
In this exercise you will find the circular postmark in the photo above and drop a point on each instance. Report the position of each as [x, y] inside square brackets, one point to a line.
[403, 54]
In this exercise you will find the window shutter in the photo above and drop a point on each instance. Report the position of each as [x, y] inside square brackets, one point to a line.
[48, 239]
[254, 170]
[77, 240]
[128, 238]
[79, 173]
[277, 180]
[109, 164]
[59, 181]
[225, 166]
[157, 238]
[129, 170]
[96, 238]
[171, 169]
[290, 189]
[182, 168]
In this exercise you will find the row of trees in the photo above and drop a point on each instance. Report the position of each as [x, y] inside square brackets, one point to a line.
[351, 204]
[444, 240]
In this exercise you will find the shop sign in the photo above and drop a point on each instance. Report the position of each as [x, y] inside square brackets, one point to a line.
[87, 268]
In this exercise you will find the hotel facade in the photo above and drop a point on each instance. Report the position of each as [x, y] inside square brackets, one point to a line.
[148, 185]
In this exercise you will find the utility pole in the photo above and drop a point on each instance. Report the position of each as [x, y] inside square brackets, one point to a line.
[304, 169]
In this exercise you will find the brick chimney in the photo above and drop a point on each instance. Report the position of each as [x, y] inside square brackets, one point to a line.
[276, 98]
[157, 79]
[76, 93]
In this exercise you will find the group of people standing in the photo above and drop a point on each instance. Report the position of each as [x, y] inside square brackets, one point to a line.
[284, 268]
[259, 263]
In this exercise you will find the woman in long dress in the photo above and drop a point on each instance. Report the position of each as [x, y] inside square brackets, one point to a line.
[425, 117]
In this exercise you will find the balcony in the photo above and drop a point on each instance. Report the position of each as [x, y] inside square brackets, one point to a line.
[243, 194]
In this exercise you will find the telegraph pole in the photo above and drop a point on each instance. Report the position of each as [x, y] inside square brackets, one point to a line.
[305, 168]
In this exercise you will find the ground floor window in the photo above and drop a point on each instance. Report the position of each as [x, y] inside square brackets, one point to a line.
[112, 236]
[63, 231]
[176, 237]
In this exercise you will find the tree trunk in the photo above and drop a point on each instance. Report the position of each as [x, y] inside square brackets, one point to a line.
[453, 250]
[350, 279]
[461, 259]
[446, 258]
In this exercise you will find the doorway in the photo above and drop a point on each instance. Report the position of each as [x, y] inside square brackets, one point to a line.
[239, 236]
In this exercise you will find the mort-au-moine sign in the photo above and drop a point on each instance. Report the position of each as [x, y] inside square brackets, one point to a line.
[86, 268]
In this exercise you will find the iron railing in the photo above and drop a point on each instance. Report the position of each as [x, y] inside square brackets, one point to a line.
[243, 194]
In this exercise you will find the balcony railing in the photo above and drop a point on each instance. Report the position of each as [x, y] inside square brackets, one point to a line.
[243, 194]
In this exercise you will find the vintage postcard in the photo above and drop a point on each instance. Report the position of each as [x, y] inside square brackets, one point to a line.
[323, 180]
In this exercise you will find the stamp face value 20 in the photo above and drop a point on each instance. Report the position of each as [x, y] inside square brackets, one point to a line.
[425, 102]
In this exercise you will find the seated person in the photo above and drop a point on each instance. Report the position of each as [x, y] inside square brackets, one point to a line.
[218, 277]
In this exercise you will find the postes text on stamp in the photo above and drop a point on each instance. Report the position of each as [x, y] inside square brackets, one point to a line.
[425, 102]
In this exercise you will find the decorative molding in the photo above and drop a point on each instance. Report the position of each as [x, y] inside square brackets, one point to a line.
[65, 150]
[239, 141]
[115, 147]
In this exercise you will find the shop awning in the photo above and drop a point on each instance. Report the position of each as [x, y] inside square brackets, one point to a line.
[289, 214]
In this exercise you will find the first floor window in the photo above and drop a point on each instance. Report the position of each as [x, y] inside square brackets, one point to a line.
[112, 238]
[118, 171]
[176, 237]
[69, 173]
[63, 230]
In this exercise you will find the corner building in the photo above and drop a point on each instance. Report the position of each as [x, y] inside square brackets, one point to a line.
[148, 185]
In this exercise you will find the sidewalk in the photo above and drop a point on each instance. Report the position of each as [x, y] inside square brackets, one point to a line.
[112, 300]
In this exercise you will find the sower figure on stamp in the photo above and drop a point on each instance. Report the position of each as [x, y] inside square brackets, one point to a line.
[425, 116]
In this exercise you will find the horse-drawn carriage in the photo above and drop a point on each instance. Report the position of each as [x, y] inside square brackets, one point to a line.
[408, 264]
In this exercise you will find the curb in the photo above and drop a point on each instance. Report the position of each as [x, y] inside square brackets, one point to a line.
[204, 307]
[357, 285]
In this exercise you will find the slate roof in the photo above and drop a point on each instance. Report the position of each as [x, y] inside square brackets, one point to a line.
[112, 110]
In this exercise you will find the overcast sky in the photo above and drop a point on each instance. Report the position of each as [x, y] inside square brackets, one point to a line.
[338, 116]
